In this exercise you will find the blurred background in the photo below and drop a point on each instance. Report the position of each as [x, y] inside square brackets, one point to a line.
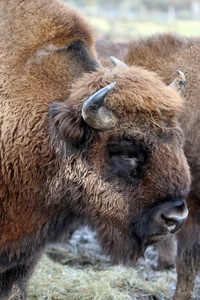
[119, 20]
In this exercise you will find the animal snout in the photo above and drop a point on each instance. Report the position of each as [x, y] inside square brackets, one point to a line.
[172, 215]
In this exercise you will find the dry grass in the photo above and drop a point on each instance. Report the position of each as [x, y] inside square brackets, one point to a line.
[53, 281]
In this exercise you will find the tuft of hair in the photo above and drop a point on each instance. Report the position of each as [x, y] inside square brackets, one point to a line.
[135, 87]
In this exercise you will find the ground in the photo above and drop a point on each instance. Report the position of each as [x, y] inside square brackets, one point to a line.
[78, 270]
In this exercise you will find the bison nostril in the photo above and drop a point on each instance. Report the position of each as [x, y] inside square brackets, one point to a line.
[172, 215]
[171, 223]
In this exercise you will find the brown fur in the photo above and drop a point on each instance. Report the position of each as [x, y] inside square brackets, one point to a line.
[55, 169]
[167, 251]
[106, 49]
[164, 54]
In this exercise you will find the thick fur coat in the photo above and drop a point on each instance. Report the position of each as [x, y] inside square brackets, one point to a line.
[164, 54]
[56, 169]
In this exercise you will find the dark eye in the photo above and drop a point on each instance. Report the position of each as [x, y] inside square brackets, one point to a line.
[133, 161]
[127, 161]
[125, 166]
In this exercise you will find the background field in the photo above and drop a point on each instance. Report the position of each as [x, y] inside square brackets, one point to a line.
[119, 20]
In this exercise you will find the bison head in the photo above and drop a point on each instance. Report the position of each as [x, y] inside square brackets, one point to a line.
[121, 161]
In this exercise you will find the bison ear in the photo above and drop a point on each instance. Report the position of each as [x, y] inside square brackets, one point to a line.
[66, 125]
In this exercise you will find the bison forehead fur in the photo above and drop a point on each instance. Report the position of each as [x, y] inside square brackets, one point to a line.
[128, 182]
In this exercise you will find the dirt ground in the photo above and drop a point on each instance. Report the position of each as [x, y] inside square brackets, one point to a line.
[83, 250]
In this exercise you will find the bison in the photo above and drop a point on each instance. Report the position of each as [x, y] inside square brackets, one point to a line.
[163, 53]
[80, 143]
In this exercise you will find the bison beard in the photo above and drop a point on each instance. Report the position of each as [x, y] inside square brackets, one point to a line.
[76, 147]
[121, 244]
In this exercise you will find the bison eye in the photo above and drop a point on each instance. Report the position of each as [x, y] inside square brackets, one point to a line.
[129, 160]
[125, 166]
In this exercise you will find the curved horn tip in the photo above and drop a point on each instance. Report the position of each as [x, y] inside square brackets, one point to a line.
[93, 112]
[179, 83]
[181, 75]
[117, 62]
[111, 86]
[97, 99]
[113, 60]
[181, 80]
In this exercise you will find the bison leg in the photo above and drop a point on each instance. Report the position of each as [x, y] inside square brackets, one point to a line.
[13, 283]
[188, 257]
[167, 253]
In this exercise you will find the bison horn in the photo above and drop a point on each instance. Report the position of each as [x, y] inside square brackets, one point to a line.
[117, 62]
[179, 82]
[95, 114]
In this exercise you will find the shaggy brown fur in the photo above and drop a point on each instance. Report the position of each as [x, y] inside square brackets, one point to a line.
[55, 169]
[164, 54]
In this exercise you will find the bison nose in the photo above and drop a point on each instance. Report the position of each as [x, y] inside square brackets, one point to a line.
[172, 215]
